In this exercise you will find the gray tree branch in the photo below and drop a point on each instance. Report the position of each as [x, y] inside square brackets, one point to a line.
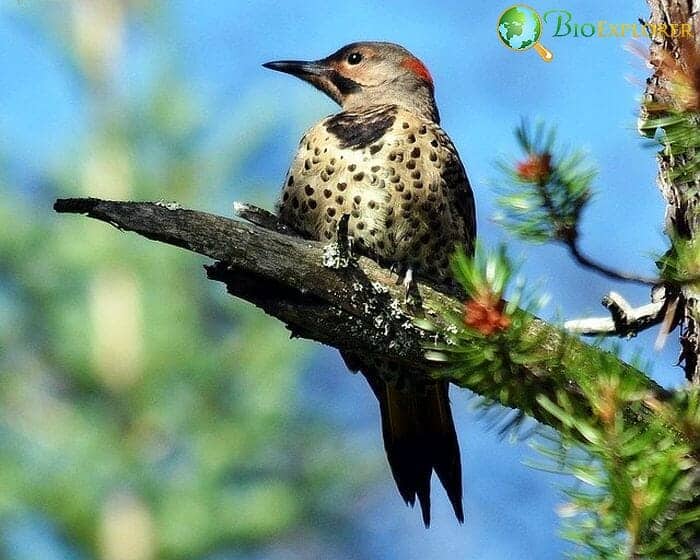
[352, 308]
[624, 320]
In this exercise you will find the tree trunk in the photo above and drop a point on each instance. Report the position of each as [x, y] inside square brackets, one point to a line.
[668, 56]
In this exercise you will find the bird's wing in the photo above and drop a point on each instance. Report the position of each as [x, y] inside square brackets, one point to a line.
[459, 191]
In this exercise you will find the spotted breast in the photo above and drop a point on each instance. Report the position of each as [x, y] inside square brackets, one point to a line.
[397, 175]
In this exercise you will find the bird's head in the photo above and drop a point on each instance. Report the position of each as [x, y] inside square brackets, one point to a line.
[368, 73]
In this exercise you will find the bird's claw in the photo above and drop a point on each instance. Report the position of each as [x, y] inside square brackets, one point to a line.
[411, 295]
[408, 286]
[338, 254]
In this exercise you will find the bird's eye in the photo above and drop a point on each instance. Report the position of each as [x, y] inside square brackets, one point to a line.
[355, 58]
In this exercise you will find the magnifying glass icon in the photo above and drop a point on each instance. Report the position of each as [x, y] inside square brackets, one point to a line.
[519, 28]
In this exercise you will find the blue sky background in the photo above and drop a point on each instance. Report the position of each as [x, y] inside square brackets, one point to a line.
[591, 91]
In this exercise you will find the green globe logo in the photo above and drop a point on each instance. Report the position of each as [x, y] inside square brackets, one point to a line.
[519, 28]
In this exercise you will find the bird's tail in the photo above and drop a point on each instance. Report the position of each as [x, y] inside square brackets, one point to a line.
[419, 438]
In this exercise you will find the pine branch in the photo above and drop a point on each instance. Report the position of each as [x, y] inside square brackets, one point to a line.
[358, 307]
[584, 260]
[544, 195]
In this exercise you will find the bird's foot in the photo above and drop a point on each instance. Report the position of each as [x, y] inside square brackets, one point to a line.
[338, 254]
[411, 295]
[408, 286]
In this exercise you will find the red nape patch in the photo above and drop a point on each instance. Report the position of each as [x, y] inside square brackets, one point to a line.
[418, 68]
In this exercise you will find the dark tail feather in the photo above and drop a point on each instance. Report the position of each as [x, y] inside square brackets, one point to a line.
[419, 437]
[446, 457]
[407, 447]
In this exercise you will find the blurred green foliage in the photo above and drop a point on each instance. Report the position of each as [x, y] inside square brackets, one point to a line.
[543, 195]
[142, 411]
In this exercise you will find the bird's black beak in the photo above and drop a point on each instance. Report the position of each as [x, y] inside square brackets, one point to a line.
[306, 70]
[319, 73]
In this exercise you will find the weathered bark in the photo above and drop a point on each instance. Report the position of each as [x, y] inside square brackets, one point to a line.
[682, 220]
[354, 308]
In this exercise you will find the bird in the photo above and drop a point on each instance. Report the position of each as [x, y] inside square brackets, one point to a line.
[385, 162]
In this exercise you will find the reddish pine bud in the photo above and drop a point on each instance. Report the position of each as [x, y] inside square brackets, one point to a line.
[536, 168]
[485, 315]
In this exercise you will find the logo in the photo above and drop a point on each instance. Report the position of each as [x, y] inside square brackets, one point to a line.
[520, 27]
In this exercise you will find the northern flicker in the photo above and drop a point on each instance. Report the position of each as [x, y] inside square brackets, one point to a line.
[385, 161]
